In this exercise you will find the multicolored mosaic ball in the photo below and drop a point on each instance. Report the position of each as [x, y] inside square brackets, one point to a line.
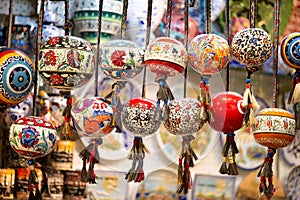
[183, 117]
[121, 59]
[274, 127]
[66, 62]
[208, 54]
[251, 46]
[290, 50]
[138, 117]
[16, 80]
[32, 137]
[165, 56]
[227, 112]
[92, 117]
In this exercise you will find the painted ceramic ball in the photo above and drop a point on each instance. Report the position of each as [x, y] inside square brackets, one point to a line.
[165, 56]
[138, 117]
[251, 46]
[66, 62]
[183, 117]
[92, 117]
[290, 50]
[121, 59]
[32, 137]
[208, 54]
[227, 112]
[274, 128]
[16, 80]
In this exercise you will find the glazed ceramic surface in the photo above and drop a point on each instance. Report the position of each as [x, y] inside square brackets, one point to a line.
[66, 62]
[92, 117]
[227, 112]
[183, 117]
[121, 59]
[138, 117]
[274, 127]
[16, 80]
[166, 56]
[251, 46]
[32, 137]
[290, 50]
[208, 54]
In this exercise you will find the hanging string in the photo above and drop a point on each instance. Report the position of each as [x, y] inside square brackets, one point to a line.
[185, 43]
[227, 34]
[68, 25]
[168, 17]
[124, 19]
[253, 11]
[37, 51]
[98, 57]
[149, 16]
[11, 5]
[275, 53]
[208, 16]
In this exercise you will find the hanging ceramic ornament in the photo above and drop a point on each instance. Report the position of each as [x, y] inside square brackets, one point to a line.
[291, 56]
[66, 63]
[16, 77]
[92, 117]
[252, 47]
[166, 57]
[208, 55]
[33, 138]
[121, 60]
[227, 115]
[274, 128]
[138, 118]
[183, 120]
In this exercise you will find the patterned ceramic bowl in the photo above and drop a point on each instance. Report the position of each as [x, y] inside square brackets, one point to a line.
[138, 117]
[251, 46]
[165, 56]
[290, 50]
[183, 117]
[208, 54]
[274, 128]
[66, 62]
[32, 137]
[16, 80]
[121, 59]
[92, 117]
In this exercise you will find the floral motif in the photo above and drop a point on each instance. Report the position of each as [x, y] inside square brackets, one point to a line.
[53, 41]
[117, 58]
[56, 79]
[29, 137]
[50, 58]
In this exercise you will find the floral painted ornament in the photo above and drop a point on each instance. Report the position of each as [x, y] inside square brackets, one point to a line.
[251, 46]
[274, 128]
[16, 76]
[227, 115]
[138, 117]
[290, 53]
[183, 120]
[166, 57]
[208, 55]
[92, 117]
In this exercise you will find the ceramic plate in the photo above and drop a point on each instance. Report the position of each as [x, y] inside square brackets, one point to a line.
[204, 142]
[293, 184]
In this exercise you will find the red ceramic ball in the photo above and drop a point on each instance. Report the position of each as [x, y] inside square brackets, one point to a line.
[227, 112]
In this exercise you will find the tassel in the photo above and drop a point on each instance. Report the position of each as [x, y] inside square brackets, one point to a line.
[266, 173]
[179, 171]
[67, 129]
[90, 154]
[137, 155]
[229, 150]
[164, 94]
[294, 97]
[186, 177]
[33, 182]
